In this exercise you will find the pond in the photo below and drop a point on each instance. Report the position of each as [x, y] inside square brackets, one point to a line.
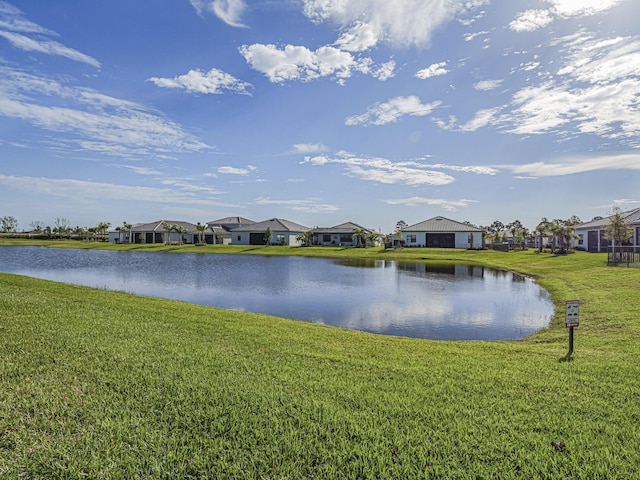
[441, 302]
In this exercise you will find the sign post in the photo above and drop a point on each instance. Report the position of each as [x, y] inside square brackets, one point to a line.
[572, 319]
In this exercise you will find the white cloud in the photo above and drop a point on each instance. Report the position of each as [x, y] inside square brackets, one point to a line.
[531, 20]
[77, 189]
[448, 205]
[571, 8]
[392, 110]
[229, 11]
[433, 70]
[293, 62]
[213, 82]
[385, 71]
[382, 170]
[307, 205]
[309, 148]
[572, 166]
[95, 121]
[484, 85]
[401, 22]
[236, 171]
[49, 47]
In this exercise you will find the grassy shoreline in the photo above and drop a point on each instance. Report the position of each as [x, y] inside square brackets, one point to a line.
[109, 385]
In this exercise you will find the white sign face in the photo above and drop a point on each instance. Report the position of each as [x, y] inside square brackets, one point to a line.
[572, 318]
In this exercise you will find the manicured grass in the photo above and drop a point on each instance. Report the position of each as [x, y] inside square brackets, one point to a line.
[101, 384]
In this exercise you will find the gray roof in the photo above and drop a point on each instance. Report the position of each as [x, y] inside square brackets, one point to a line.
[347, 227]
[441, 224]
[275, 224]
[231, 220]
[632, 217]
[158, 226]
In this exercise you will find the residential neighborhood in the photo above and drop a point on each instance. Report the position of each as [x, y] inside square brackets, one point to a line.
[435, 232]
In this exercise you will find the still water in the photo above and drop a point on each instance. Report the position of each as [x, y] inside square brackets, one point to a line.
[456, 302]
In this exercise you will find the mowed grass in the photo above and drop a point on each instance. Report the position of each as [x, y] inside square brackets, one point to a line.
[102, 384]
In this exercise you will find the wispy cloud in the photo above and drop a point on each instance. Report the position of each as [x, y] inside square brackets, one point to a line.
[78, 189]
[213, 82]
[485, 85]
[309, 148]
[95, 121]
[306, 205]
[365, 23]
[392, 110]
[28, 36]
[448, 205]
[383, 170]
[229, 11]
[236, 171]
[535, 19]
[571, 166]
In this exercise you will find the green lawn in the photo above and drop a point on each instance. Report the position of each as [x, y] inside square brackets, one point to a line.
[102, 384]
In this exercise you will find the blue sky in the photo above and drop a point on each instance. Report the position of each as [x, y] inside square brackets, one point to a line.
[318, 111]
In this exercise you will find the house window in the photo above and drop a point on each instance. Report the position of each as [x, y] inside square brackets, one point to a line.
[346, 238]
[326, 238]
[411, 238]
[580, 239]
[280, 239]
[239, 237]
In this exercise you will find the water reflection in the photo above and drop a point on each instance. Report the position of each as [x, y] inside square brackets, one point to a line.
[424, 300]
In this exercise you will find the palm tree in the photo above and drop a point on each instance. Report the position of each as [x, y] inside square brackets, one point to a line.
[201, 229]
[267, 236]
[127, 228]
[373, 238]
[360, 237]
[168, 228]
[542, 229]
[180, 230]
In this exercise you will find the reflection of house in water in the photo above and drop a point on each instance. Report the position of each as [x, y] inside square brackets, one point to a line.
[443, 269]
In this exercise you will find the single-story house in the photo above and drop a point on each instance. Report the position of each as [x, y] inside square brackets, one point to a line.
[441, 232]
[161, 231]
[221, 228]
[591, 235]
[283, 232]
[340, 235]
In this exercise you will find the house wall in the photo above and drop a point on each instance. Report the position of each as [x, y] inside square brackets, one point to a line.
[244, 238]
[461, 239]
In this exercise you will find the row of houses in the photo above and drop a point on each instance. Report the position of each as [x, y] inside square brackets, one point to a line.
[437, 232]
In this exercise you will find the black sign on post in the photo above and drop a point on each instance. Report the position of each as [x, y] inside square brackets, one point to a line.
[572, 319]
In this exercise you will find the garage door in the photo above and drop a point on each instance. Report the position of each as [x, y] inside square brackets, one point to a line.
[441, 240]
[257, 239]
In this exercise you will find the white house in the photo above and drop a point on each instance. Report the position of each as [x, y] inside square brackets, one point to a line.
[222, 228]
[340, 235]
[283, 232]
[441, 232]
[590, 236]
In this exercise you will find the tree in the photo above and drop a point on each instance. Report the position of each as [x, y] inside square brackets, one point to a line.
[62, 226]
[495, 231]
[180, 230]
[127, 228]
[101, 230]
[542, 229]
[373, 238]
[401, 225]
[618, 230]
[8, 224]
[360, 237]
[518, 232]
[201, 229]
[168, 228]
[305, 238]
[267, 237]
